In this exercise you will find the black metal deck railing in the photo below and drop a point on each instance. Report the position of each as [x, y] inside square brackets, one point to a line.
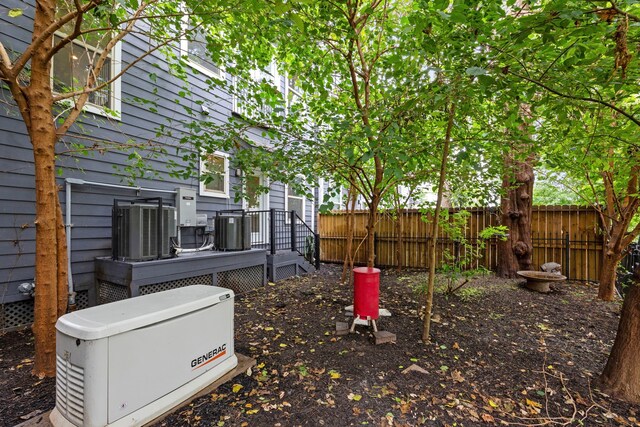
[279, 230]
[627, 266]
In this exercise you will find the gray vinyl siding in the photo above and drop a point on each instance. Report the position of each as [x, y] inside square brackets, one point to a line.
[91, 205]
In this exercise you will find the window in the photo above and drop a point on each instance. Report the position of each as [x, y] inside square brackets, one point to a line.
[269, 76]
[292, 91]
[293, 97]
[194, 50]
[73, 64]
[295, 201]
[214, 175]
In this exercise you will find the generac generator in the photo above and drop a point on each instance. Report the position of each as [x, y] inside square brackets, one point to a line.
[127, 362]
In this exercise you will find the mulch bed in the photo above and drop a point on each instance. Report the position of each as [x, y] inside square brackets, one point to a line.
[499, 355]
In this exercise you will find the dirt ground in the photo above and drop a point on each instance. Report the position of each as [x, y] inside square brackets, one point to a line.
[499, 355]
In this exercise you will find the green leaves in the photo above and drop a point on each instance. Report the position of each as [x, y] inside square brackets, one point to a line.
[298, 22]
[476, 71]
[14, 13]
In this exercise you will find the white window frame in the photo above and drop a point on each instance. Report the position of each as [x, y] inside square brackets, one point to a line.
[255, 76]
[262, 235]
[287, 89]
[303, 215]
[265, 183]
[184, 53]
[116, 85]
[204, 191]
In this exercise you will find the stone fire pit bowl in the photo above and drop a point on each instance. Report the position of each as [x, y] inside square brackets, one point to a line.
[539, 281]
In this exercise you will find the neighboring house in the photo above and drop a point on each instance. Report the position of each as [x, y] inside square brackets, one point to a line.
[90, 183]
[336, 196]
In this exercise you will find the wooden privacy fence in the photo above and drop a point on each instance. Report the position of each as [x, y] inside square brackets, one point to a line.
[568, 235]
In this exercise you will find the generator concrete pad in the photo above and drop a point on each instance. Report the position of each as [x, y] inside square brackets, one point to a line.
[244, 363]
[383, 337]
[41, 420]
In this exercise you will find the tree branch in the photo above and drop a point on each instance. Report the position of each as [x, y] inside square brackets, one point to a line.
[556, 59]
[127, 21]
[615, 7]
[631, 235]
[89, 88]
[577, 98]
[35, 44]
[5, 63]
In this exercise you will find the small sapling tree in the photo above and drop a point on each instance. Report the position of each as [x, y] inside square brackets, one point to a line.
[462, 264]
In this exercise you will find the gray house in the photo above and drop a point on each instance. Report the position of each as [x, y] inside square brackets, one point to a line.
[117, 248]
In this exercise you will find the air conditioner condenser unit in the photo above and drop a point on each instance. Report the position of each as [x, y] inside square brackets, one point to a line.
[136, 233]
[128, 362]
[232, 232]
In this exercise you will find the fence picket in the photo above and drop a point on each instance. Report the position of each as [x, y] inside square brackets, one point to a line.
[550, 227]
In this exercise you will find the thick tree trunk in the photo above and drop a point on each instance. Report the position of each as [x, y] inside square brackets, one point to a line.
[47, 304]
[515, 252]
[607, 278]
[51, 257]
[617, 241]
[621, 376]
[616, 219]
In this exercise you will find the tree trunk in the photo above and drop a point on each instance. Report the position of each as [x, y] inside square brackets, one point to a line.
[371, 229]
[400, 234]
[515, 252]
[347, 266]
[607, 278]
[372, 220]
[621, 375]
[48, 260]
[51, 258]
[616, 242]
[426, 326]
[616, 219]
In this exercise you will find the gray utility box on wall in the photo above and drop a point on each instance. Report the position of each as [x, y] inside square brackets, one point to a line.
[136, 233]
[186, 203]
[232, 232]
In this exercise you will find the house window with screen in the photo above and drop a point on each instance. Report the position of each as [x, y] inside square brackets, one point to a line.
[75, 62]
[194, 49]
[293, 91]
[267, 75]
[214, 175]
[295, 201]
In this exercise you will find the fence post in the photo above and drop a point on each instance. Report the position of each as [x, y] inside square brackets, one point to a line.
[317, 250]
[567, 260]
[375, 246]
[272, 230]
[159, 228]
[242, 228]
[115, 230]
[294, 243]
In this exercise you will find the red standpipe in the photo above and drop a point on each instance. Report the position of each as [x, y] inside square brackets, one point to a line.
[366, 292]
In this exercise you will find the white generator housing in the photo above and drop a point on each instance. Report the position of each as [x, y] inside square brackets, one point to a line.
[127, 362]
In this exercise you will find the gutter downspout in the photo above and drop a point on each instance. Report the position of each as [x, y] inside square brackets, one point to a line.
[69, 225]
